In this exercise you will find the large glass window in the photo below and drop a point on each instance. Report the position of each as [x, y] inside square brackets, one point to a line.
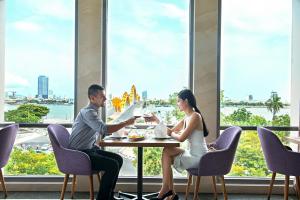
[255, 74]
[147, 64]
[39, 76]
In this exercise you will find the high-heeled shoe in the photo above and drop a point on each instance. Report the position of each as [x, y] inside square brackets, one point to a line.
[175, 197]
[169, 193]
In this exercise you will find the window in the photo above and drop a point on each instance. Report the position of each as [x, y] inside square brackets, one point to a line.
[39, 76]
[147, 64]
[255, 74]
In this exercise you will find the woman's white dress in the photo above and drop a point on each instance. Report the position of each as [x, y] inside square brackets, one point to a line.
[196, 149]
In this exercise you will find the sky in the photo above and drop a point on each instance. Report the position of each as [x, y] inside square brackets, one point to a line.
[256, 48]
[148, 47]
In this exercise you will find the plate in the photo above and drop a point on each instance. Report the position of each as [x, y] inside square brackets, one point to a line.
[162, 138]
[116, 137]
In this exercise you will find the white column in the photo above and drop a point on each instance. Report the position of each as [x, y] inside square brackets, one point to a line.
[295, 71]
[206, 62]
[2, 56]
[89, 57]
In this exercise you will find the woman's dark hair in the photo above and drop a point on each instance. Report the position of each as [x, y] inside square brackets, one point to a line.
[188, 94]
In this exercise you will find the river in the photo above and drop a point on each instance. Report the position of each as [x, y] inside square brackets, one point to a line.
[65, 112]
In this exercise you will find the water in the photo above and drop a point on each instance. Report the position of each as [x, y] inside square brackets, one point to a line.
[65, 112]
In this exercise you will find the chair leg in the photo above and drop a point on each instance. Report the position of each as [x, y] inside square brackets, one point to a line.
[214, 187]
[271, 185]
[286, 187]
[187, 189]
[99, 177]
[224, 188]
[64, 187]
[3, 183]
[297, 187]
[73, 186]
[197, 187]
[91, 187]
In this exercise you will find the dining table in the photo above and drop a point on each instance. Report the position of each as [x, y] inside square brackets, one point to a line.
[140, 143]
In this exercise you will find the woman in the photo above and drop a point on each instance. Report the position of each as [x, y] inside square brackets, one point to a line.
[191, 128]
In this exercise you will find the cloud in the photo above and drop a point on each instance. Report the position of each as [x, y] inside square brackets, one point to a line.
[254, 16]
[173, 11]
[15, 81]
[27, 26]
[63, 9]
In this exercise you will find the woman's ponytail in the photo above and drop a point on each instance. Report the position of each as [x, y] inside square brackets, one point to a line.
[205, 130]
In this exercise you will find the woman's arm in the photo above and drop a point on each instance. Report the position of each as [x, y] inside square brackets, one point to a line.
[178, 127]
[191, 126]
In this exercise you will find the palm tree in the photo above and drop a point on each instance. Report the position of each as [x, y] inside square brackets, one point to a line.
[274, 104]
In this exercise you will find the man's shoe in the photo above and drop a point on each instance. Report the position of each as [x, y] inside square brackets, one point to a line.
[118, 198]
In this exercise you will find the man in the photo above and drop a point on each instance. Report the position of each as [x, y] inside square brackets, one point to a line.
[86, 129]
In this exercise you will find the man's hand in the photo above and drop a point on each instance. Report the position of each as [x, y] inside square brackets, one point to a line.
[130, 121]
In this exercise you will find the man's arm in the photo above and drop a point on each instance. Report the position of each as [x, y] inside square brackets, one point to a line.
[115, 127]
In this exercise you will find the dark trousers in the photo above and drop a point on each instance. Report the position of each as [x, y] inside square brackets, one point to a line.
[111, 164]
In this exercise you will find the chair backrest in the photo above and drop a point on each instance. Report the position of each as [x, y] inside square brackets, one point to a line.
[229, 139]
[219, 162]
[7, 138]
[273, 150]
[59, 135]
[69, 161]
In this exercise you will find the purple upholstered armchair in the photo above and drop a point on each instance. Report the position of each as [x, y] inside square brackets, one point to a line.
[216, 163]
[279, 159]
[7, 138]
[70, 161]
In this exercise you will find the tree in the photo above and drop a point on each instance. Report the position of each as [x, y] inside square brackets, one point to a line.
[222, 97]
[29, 162]
[274, 104]
[26, 113]
[152, 160]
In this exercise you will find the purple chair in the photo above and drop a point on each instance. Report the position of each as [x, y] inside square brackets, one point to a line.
[70, 161]
[279, 159]
[7, 138]
[216, 163]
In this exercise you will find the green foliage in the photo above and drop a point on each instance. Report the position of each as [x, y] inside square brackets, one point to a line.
[282, 120]
[173, 98]
[249, 160]
[274, 104]
[26, 113]
[152, 160]
[177, 113]
[239, 115]
[29, 162]
[222, 97]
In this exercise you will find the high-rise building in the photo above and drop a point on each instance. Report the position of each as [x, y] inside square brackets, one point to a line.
[43, 87]
[144, 95]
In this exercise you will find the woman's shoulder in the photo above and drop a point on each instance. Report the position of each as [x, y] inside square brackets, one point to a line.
[196, 116]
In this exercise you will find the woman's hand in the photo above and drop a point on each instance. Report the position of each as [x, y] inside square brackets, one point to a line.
[169, 132]
[151, 118]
